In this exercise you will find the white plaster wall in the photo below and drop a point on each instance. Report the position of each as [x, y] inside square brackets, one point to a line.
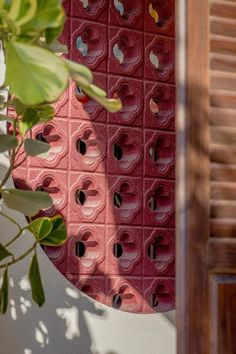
[70, 322]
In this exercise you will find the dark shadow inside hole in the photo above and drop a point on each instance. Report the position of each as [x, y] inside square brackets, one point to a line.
[154, 300]
[117, 250]
[116, 301]
[117, 152]
[117, 200]
[152, 252]
[81, 147]
[80, 249]
[80, 197]
[152, 203]
[40, 137]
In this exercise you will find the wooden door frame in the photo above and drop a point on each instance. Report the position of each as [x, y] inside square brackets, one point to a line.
[192, 175]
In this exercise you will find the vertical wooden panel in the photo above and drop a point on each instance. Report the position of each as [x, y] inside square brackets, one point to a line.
[206, 177]
[193, 195]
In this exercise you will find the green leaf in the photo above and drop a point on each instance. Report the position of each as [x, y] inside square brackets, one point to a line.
[4, 252]
[44, 76]
[34, 115]
[27, 202]
[58, 234]
[7, 142]
[14, 10]
[36, 147]
[29, 119]
[112, 105]
[40, 227]
[50, 14]
[4, 293]
[36, 282]
[28, 10]
[18, 106]
[98, 91]
[80, 73]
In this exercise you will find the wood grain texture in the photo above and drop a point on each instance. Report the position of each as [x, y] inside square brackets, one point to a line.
[223, 314]
[206, 176]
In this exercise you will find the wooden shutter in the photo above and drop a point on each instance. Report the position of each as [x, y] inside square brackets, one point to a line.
[206, 177]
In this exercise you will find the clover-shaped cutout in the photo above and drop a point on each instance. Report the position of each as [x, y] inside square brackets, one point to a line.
[126, 51]
[123, 297]
[126, 151]
[90, 45]
[49, 134]
[162, 152]
[87, 249]
[160, 297]
[125, 250]
[160, 12]
[89, 146]
[159, 252]
[130, 101]
[126, 200]
[88, 198]
[161, 203]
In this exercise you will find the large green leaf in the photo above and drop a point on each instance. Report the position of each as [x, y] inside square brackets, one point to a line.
[36, 147]
[7, 142]
[22, 11]
[36, 282]
[4, 252]
[40, 227]
[27, 202]
[79, 73]
[112, 105]
[43, 75]
[57, 235]
[50, 14]
[4, 293]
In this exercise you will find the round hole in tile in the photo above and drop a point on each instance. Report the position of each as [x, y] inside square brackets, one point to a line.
[116, 301]
[80, 197]
[81, 147]
[117, 200]
[117, 250]
[117, 151]
[154, 300]
[80, 249]
[153, 153]
[152, 203]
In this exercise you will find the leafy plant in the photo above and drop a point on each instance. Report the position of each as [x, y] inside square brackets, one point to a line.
[36, 76]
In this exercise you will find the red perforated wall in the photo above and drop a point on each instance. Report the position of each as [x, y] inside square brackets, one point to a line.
[112, 175]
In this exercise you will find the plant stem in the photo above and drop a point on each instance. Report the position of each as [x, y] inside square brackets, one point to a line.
[19, 258]
[10, 219]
